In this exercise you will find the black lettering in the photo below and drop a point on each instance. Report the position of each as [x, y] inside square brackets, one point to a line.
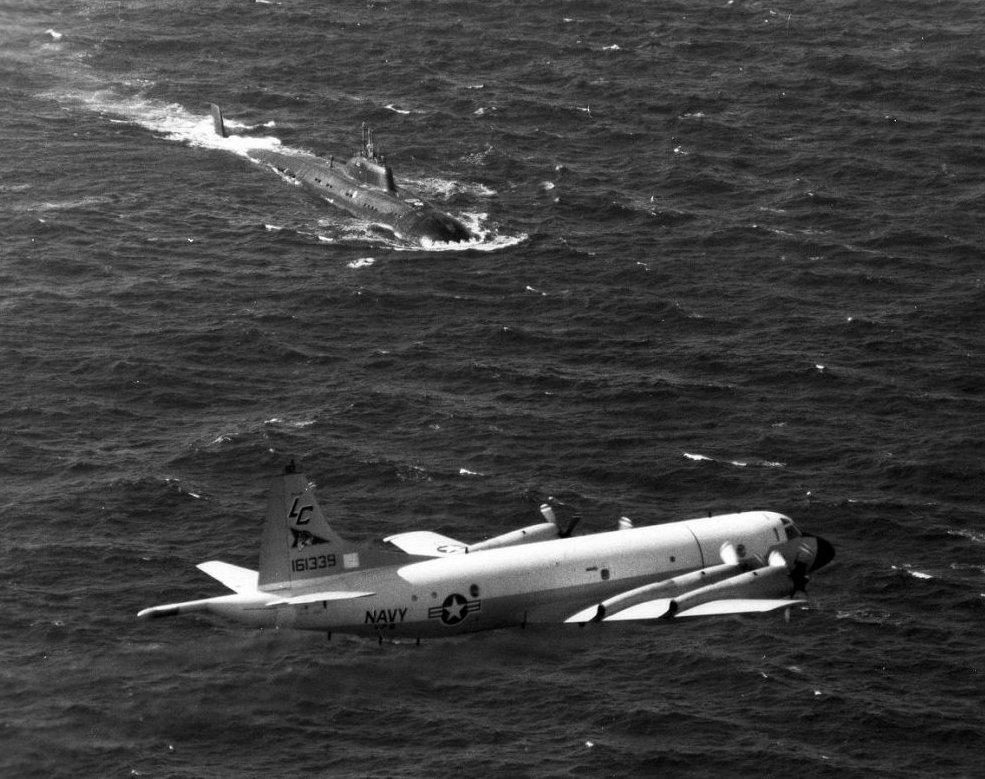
[302, 564]
[385, 616]
[298, 515]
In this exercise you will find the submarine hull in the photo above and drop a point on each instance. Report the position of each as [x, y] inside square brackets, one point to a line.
[358, 189]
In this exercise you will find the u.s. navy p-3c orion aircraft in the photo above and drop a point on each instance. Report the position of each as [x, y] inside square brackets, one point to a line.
[424, 584]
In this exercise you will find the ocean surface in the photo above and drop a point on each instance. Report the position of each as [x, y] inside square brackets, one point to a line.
[729, 255]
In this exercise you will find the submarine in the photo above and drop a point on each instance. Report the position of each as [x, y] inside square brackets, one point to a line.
[364, 187]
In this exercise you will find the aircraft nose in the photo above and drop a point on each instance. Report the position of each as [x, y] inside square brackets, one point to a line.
[825, 553]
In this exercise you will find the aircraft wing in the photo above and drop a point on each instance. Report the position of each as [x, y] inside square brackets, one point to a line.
[663, 607]
[425, 543]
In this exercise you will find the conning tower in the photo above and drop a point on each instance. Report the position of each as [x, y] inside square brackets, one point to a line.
[370, 168]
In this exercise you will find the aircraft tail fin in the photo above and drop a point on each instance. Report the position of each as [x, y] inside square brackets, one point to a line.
[298, 543]
[217, 121]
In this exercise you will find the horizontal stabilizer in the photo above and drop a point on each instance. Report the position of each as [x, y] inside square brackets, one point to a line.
[316, 597]
[235, 578]
[171, 610]
[246, 600]
[223, 603]
[426, 543]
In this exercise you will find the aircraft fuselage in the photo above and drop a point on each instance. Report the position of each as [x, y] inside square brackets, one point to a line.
[517, 585]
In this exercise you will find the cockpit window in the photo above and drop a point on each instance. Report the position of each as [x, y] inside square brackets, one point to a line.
[790, 528]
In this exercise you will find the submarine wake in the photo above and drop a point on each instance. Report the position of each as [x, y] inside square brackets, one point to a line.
[362, 187]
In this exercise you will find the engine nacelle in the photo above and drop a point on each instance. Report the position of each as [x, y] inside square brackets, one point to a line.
[768, 582]
[668, 588]
[545, 531]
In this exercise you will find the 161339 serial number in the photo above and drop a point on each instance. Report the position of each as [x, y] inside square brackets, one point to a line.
[313, 563]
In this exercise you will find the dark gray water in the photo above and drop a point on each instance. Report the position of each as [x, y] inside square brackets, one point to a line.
[730, 256]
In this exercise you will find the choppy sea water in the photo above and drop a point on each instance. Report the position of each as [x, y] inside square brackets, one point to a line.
[730, 256]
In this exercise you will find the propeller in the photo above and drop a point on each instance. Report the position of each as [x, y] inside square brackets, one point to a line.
[800, 556]
[783, 573]
[548, 513]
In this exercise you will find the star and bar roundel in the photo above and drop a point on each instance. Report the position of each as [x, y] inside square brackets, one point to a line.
[454, 609]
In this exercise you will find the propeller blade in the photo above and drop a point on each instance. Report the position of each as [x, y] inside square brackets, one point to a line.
[571, 526]
[729, 554]
[824, 553]
[776, 560]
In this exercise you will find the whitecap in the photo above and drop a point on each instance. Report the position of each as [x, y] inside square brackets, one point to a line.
[908, 571]
[971, 535]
